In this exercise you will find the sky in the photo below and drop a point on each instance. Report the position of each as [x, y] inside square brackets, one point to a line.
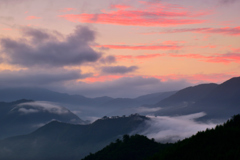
[118, 48]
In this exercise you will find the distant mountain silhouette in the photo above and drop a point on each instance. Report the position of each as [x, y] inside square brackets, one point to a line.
[187, 95]
[40, 94]
[217, 101]
[61, 141]
[154, 97]
[83, 106]
[180, 102]
[25, 116]
[223, 101]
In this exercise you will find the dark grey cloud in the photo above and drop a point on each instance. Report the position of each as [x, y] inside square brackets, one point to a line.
[108, 60]
[118, 69]
[38, 78]
[44, 49]
[4, 18]
[39, 36]
[228, 1]
[12, 1]
[124, 87]
[201, 1]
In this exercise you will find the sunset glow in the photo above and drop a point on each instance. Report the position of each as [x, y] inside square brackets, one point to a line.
[113, 43]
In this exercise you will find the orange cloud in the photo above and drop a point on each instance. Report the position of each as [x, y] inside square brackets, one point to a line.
[152, 15]
[32, 17]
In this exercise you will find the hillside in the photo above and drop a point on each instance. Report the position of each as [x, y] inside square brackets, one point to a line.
[181, 102]
[223, 101]
[135, 147]
[219, 143]
[63, 141]
[25, 116]
[219, 102]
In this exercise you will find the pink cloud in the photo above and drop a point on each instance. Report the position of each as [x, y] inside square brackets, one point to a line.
[119, 6]
[199, 78]
[215, 58]
[192, 78]
[141, 47]
[67, 9]
[152, 15]
[7, 29]
[102, 78]
[236, 50]
[235, 31]
[32, 17]
[140, 57]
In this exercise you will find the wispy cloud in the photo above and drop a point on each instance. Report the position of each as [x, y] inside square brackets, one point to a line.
[125, 86]
[40, 106]
[227, 1]
[231, 31]
[118, 69]
[215, 58]
[32, 17]
[150, 14]
[34, 78]
[142, 47]
[67, 9]
[139, 57]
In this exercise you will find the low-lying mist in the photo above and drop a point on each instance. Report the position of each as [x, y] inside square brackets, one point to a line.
[171, 129]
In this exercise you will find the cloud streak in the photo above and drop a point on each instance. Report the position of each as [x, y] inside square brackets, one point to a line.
[32, 18]
[34, 78]
[150, 14]
[141, 47]
[231, 31]
[140, 57]
[41, 106]
[118, 69]
[215, 58]
[124, 87]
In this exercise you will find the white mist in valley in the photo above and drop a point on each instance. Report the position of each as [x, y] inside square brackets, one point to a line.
[171, 129]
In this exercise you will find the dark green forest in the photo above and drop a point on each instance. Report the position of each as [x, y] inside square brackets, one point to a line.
[129, 148]
[219, 143]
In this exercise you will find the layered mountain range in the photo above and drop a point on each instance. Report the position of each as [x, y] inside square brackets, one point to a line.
[217, 101]
[62, 141]
[72, 138]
